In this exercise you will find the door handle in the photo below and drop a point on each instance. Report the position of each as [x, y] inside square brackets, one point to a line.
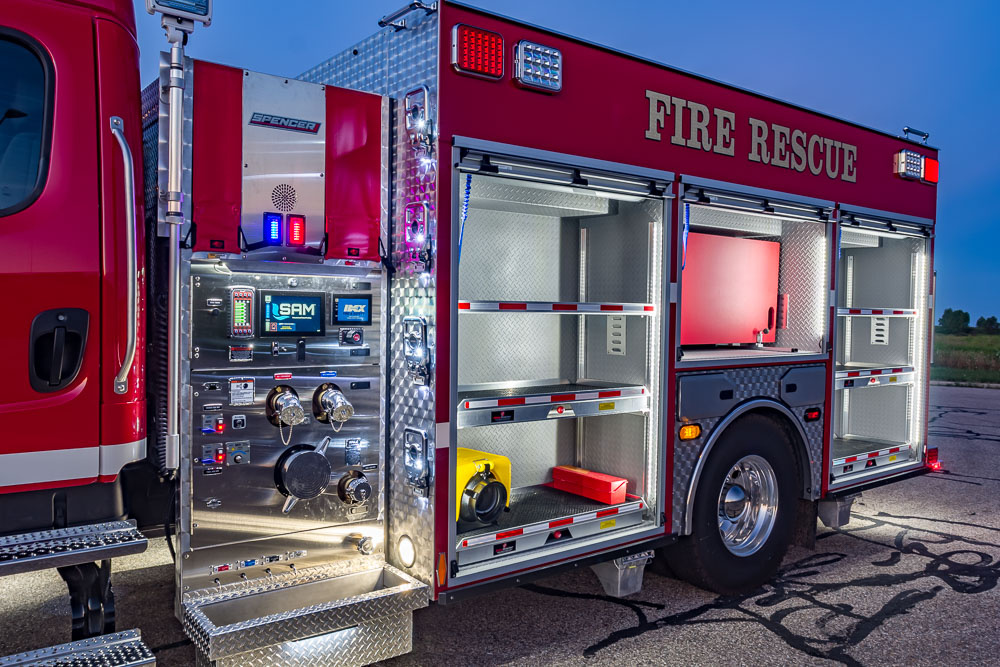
[58, 339]
[131, 311]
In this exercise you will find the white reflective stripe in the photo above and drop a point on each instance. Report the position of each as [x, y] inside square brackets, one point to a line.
[673, 292]
[586, 397]
[54, 465]
[113, 457]
[442, 435]
[538, 399]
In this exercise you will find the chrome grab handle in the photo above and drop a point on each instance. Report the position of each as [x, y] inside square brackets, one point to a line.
[393, 18]
[131, 313]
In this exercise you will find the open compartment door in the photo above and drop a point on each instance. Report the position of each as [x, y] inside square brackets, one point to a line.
[882, 340]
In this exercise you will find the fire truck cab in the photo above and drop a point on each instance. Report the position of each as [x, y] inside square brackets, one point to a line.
[436, 316]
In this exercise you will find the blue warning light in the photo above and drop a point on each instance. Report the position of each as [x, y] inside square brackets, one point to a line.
[272, 228]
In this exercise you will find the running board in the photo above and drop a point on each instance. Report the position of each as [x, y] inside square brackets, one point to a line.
[69, 546]
[119, 649]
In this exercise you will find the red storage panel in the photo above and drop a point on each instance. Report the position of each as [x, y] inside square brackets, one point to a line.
[353, 174]
[217, 157]
[729, 290]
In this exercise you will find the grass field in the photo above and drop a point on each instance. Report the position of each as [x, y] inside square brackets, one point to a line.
[966, 358]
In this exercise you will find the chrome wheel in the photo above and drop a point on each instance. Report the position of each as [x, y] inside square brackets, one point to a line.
[748, 505]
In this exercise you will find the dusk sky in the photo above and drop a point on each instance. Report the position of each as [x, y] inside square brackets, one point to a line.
[930, 65]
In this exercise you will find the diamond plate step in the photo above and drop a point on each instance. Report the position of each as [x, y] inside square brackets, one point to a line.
[69, 546]
[119, 649]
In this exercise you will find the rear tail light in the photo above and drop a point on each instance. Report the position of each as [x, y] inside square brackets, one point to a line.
[272, 228]
[296, 230]
[913, 165]
[812, 414]
[932, 459]
[477, 51]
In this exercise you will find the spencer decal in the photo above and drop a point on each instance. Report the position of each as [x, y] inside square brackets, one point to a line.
[284, 123]
[772, 144]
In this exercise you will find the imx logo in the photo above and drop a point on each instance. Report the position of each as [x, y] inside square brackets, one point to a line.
[354, 308]
[284, 123]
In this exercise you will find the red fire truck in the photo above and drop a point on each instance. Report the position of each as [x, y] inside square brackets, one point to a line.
[435, 317]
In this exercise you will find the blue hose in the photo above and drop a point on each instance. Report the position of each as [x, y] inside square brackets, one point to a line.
[465, 213]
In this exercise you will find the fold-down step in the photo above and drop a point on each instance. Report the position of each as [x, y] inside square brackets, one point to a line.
[261, 620]
[27, 552]
[118, 649]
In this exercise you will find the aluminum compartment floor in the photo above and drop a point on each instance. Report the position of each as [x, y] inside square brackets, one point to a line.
[534, 504]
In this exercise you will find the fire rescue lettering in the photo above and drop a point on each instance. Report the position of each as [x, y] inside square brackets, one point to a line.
[770, 143]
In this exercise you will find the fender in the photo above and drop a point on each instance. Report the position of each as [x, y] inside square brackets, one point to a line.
[736, 413]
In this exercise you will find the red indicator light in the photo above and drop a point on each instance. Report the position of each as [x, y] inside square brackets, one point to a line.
[296, 230]
[560, 409]
[812, 415]
[220, 427]
[557, 535]
[476, 51]
[220, 457]
[930, 170]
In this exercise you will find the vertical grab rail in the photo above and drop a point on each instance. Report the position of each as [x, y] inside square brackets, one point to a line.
[131, 313]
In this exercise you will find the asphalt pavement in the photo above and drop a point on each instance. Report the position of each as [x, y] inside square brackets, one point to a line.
[911, 580]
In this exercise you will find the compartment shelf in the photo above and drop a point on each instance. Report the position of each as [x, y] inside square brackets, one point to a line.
[551, 401]
[540, 509]
[876, 312]
[586, 308]
[852, 450]
[855, 375]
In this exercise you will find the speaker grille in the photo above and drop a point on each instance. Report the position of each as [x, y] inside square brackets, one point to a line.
[283, 197]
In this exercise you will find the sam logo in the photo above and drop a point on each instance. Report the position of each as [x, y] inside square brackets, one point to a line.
[284, 123]
[296, 310]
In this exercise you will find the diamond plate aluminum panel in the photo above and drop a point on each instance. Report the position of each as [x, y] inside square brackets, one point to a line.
[519, 257]
[500, 194]
[879, 412]
[748, 383]
[263, 630]
[509, 346]
[882, 275]
[532, 447]
[616, 445]
[712, 218]
[393, 63]
[366, 643]
[895, 353]
[618, 252]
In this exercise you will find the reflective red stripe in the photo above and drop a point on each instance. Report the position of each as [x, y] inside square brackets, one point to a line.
[850, 459]
[564, 306]
[513, 306]
[648, 309]
[854, 311]
[464, 305]
[853, 374]
[612, 306]
[510, 401]
[510, 533]
[608, 394]
[872, 455]
[876, 312]
[466, 405]
[877, 372]
[897, 370]
[560, 398]
[613, 510]
[560, 522]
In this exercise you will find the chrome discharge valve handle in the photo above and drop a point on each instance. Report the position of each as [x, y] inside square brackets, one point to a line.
[335, 405]
[306, 474]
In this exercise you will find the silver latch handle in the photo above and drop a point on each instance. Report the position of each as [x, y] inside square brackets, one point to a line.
[131, 312]
[393, 18]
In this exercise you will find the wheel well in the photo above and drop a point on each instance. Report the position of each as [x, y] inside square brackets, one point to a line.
[773, 411]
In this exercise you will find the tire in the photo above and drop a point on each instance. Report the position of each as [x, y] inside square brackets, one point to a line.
[750, 556]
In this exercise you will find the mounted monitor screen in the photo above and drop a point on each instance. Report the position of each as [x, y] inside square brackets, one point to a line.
[292, 314]
[352, 309]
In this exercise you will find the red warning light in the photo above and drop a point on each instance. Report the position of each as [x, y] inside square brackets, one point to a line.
[476, 51]
[930, 170]
[220, 427]
[220, 456]
[296, 230]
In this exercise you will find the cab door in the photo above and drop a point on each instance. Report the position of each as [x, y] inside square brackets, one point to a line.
[49, 248]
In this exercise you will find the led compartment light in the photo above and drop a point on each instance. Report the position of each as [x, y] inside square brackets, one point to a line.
[476, 51]
[538, 66]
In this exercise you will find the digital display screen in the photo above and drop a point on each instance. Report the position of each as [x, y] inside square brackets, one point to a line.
[292, 314]
[352, 309]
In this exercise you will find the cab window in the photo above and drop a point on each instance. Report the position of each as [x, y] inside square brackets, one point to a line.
[24, 113]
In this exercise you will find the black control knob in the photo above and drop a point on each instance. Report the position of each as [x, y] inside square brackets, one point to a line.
[354, 488]
[303, 473]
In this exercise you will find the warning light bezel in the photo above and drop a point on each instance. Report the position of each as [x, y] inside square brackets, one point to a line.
[295, 223]
[272, 222]
[457, 32]
[689, 431]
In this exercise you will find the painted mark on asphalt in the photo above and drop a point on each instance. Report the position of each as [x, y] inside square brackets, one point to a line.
[936, 560]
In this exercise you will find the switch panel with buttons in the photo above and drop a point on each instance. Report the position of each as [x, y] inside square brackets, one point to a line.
[213, 455]
[213, 424]
[238, 453]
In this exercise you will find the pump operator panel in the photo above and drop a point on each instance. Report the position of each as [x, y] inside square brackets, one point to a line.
[285, 421]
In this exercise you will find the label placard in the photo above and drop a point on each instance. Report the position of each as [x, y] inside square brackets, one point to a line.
[241, 391]
[610, 523]
[606, 406]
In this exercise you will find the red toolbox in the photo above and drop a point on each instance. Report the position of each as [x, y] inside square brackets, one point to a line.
[589, 484]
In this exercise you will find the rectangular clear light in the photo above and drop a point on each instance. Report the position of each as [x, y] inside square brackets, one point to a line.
[538, 66]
